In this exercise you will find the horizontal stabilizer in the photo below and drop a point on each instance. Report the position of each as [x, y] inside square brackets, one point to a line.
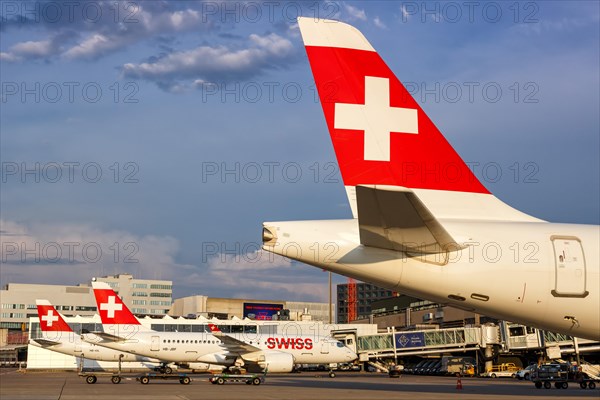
[394, 218]
[106, 336]
[45, 342]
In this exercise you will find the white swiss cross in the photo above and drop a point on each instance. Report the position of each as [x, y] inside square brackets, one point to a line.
[376, 118]
[111, 307]
[50, 317]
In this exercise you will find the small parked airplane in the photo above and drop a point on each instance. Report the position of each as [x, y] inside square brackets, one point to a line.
[58, 336]
[122, 331]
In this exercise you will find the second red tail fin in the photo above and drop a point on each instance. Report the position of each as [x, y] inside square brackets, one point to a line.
[50, 319]
[111, 308]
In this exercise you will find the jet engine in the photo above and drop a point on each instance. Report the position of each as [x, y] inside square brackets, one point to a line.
[274, 361]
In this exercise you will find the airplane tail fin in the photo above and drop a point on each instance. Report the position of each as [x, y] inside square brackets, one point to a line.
[382, 136]
[214, 330]
[111, 308]
[50, 319]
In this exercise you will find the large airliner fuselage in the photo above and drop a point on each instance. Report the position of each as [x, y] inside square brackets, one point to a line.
[538, 273]
[423, 223]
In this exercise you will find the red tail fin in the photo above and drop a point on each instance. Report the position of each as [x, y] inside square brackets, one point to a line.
[111, 308]
[50, 319]
[381, 136]
[380, 133]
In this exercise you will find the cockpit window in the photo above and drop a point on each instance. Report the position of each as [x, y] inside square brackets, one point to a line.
[340, 344]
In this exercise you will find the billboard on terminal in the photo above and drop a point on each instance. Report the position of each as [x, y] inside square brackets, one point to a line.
[261, 311]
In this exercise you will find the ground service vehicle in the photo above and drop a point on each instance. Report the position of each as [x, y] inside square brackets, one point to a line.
[248, 379]
[502, 371]
[547, 374]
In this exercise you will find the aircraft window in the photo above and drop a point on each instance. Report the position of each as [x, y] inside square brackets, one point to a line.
[224, 328]
[268, 329]
[516, 331]
[237, 328]
[178, 341]
[339, 344]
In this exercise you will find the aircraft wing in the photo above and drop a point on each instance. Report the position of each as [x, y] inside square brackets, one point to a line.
[394, 218]
[231, 344]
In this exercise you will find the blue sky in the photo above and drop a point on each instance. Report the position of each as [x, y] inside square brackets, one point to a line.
[154, 137]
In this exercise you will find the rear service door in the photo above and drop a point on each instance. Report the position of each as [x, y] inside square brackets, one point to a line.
[570, 275]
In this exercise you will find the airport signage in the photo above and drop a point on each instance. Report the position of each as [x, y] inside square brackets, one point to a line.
[409, 339]
[261, 311]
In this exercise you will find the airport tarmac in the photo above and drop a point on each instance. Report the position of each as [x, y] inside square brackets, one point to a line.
[314, 386]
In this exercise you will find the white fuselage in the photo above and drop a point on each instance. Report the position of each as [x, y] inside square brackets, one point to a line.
[508, 270]
[186, 347]
[70, 343]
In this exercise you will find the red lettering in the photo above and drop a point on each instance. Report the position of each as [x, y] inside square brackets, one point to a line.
[270, 343]
[299, 344]
[308, 344]
[282, 343]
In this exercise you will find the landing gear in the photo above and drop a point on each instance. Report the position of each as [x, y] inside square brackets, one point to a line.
[331, 374]
[164, 369]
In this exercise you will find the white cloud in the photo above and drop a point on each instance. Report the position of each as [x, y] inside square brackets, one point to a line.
[93, 46]
[379, 23]
[253, 274]
[33, 49]
[137, 22]
[66, 254]
[355, 13]
[213, 64]
[71, 253]
[9, 57]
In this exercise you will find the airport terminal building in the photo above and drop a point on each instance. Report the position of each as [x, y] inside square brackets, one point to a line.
[265, 310]
[142, 296]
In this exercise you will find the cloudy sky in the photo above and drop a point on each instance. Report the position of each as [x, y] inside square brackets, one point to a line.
[154, 137]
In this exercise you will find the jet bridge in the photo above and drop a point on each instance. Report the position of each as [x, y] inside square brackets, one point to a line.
[398, 344]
